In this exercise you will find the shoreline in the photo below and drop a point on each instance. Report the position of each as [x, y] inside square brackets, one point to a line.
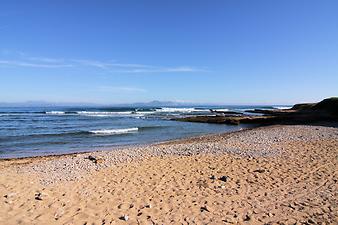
[121, 147]
[173, 141]
[270, 174]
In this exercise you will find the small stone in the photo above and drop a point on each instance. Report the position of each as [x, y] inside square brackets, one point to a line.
[311, 221]
[259, 171]
[213, 177]
[38, 196]
[223, 178]
[92, 158]
[124, 218]
[204, 208]
[292, 206]
[246, 218]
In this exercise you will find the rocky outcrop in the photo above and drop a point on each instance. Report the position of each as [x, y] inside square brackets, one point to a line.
[329, 105]
[306, 113]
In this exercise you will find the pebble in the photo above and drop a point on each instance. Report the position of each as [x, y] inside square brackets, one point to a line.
[92, 158]
[246, 218]
[223, 178]
[204, 208]
[124, 217]
[259, 171]
[242, 144]
[38, 196]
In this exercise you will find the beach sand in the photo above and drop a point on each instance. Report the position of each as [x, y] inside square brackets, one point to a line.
[266, 175]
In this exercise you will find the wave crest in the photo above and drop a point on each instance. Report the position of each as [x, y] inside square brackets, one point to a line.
[55, 112]
[183, 110]
[283, 107]
[114, 131]
[103, 113]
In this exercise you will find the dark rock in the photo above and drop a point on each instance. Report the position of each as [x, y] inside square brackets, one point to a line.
[204, 208]
[246, 218]
[124, 218]
[324, 111]
[269, 111]
[213, 177]
[329, 105]
[92, 158]
[259, 171]
[224, 178]
[38, 196]
[302, 106]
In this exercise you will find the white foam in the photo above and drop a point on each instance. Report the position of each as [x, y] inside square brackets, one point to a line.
[144, 112]
[107, 114]
[184, 110]
[114, 131]
[99, 115]
[282, 107]
[220, 110]
[103, 113]
[55, 112]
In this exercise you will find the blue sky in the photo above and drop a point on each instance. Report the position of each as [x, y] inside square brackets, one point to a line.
[230, 52]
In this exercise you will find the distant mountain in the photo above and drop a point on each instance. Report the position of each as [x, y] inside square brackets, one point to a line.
[157, 103]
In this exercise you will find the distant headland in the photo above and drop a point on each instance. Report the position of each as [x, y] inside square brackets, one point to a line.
[304, 113]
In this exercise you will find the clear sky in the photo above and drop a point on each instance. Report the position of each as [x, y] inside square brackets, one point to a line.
[226, 51]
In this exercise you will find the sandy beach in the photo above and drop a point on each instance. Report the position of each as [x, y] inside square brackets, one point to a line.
[267, 175]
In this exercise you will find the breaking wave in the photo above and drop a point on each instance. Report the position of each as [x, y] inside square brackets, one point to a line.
[183, 110]
[282, 107]
[56, 112]
[114, 131]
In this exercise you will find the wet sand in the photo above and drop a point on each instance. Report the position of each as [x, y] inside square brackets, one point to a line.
[267, 175]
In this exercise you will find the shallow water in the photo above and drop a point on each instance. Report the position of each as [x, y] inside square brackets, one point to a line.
[58, 130]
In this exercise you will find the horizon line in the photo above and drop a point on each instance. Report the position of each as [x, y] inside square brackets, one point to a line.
[158, 102]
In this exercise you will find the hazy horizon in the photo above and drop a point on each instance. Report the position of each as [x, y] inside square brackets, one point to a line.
[150, 103]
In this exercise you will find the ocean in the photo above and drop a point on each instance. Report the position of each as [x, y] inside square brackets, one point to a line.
[36, 131]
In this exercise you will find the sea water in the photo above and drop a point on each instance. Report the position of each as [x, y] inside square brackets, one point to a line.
[34, 131]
